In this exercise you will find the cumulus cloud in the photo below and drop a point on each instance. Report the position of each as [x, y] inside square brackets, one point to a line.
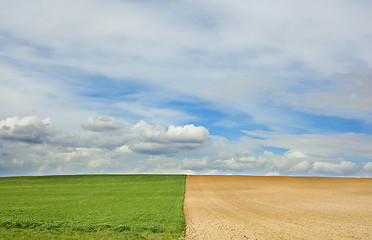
[141, 138]
[101, 124]
[28, 129]
[158, 134]
[124, 149]
[106, 134]
[158, 140]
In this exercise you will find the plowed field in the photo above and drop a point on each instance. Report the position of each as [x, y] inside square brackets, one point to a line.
[247, 207]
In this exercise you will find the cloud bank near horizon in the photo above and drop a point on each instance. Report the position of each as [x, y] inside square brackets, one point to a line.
[33, 146]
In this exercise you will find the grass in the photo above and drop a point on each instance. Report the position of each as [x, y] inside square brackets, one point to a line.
[92, 207]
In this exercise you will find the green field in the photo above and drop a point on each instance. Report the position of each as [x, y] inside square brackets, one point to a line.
[92, 207]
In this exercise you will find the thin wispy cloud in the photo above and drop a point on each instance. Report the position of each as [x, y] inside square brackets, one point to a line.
[187, 86]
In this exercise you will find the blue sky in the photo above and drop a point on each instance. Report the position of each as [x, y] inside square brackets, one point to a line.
[197, 87]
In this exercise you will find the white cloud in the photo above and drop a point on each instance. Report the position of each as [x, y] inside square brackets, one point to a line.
[301, 167]
[141, 138]
[28, 129]
[336, 168]
[295, 154]
[158, 140]
[123, 149]
[101, 124]
[185, 134]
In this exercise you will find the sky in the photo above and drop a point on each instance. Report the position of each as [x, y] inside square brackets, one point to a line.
[195, 87]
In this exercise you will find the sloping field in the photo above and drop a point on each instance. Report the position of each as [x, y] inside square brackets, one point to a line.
[92, 207]
[246, 207]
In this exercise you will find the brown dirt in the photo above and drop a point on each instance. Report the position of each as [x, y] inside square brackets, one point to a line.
[247, 207]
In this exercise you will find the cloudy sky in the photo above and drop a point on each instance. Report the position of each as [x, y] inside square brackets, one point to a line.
[198, 87]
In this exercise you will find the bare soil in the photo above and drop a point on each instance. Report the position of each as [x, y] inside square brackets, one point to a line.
[250, 207]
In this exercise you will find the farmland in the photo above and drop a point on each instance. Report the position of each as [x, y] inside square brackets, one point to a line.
[250, 207]
[92, 207]
[216, 207]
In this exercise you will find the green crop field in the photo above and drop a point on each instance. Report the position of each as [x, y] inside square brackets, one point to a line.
[92, 207]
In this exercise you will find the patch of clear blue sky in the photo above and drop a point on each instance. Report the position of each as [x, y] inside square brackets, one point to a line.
[318, 124]
[309, 123]
[355, 159]
[101, 87]
[340, 125]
